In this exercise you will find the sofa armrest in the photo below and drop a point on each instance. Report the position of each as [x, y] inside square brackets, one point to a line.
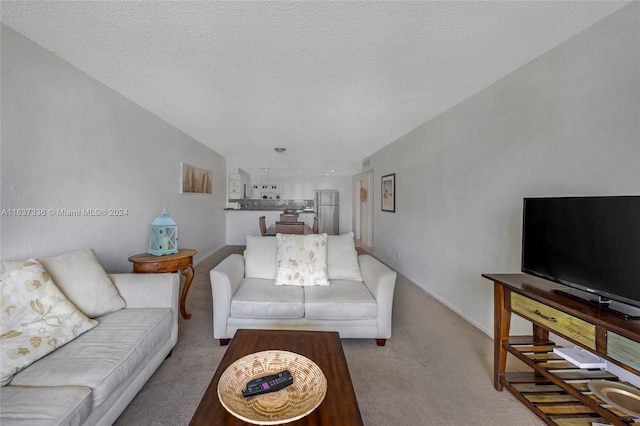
[381, 282]
[148, 290]
[225, 280]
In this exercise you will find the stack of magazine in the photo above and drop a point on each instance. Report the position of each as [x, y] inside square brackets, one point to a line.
[580, 357]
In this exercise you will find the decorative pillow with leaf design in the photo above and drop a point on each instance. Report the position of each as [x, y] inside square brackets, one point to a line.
[301, 260]
[36, 318]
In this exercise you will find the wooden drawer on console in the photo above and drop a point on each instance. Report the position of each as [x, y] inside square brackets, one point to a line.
[624, 350]
[163, 265]
[555, 320]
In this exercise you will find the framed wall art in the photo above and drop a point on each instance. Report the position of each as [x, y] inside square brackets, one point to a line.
[195, 180]
[388, 196]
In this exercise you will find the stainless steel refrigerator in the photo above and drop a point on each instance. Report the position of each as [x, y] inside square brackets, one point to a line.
[327, 209]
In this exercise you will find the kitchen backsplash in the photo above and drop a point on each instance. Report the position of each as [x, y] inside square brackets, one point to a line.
[249, 204]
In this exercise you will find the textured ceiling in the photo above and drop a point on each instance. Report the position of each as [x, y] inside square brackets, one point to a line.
[333, 82]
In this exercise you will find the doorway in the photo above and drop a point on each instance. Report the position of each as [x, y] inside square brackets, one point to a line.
[363, 226]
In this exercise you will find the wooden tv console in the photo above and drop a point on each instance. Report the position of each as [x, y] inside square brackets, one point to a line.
[554, 389]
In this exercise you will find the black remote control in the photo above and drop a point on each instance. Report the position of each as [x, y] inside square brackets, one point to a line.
[267, 384]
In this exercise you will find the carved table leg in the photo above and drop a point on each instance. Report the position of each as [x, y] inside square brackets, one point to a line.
[502, 321]
[188, 273]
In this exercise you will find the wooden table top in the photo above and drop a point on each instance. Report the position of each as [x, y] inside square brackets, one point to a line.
[271, 230]
[339, 407]
[146, 257]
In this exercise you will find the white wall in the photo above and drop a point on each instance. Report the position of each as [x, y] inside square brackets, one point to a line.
[568, 123]
[69, 142]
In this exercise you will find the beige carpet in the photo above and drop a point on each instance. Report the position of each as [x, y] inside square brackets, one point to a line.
[435, 370]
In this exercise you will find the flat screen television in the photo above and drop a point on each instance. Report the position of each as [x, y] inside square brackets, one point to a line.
[591, 245]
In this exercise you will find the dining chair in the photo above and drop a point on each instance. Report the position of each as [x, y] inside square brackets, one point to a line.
[290, 228]
[262, 221]
[316, 225]
[286, 217]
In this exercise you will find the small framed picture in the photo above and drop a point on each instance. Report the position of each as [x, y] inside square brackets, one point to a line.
[388, 197]
[195, 180]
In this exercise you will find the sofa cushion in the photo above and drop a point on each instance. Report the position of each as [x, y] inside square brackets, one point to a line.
[260, 257]
[342, 258]
[36, 317]
[301, 260]
[84, 281]
[44, 406]
[259, 298]
[343, 300]
[103, 358]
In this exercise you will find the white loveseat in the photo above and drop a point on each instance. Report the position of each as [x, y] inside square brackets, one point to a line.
[357, 302]
[91, 379]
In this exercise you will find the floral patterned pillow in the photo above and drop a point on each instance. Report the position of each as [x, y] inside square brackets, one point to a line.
[301, 260]
[36, 318]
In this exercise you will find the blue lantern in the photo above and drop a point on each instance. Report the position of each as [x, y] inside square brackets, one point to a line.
[163, 235]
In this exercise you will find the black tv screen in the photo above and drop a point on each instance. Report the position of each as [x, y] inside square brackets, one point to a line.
[589, 243]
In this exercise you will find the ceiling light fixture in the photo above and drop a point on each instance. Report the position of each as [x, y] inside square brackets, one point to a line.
[279, 150]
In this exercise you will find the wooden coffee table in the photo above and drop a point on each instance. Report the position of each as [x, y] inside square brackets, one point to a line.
[339, 407]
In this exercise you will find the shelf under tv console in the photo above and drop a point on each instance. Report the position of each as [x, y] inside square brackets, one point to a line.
[553, 389]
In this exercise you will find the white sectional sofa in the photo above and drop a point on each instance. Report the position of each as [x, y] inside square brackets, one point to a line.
[356, 301]
[91, 379]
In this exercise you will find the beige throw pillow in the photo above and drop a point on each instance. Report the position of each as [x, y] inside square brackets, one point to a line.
[260, 257]
[36, 318]
[343, 258]
[84, 281]
[301, 260]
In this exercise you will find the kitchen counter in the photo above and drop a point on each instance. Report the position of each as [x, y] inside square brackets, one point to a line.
[248, 204]
[279, 209]
[241, 222]
[243, 210]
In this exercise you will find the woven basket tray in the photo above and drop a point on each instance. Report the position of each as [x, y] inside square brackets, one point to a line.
[291, 403]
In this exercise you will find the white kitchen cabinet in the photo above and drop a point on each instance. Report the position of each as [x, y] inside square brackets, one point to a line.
[309, 191]
[287, 190]
[255, 191]
[235, 186]
[276, 187]
[297, 191]
[302, 190]
[271, 190]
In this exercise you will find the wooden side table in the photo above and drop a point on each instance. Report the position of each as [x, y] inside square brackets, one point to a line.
[182, 262]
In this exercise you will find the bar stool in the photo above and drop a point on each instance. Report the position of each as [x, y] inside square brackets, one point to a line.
[263, 224]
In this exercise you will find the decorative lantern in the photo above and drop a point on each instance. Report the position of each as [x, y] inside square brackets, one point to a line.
[163, 235]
